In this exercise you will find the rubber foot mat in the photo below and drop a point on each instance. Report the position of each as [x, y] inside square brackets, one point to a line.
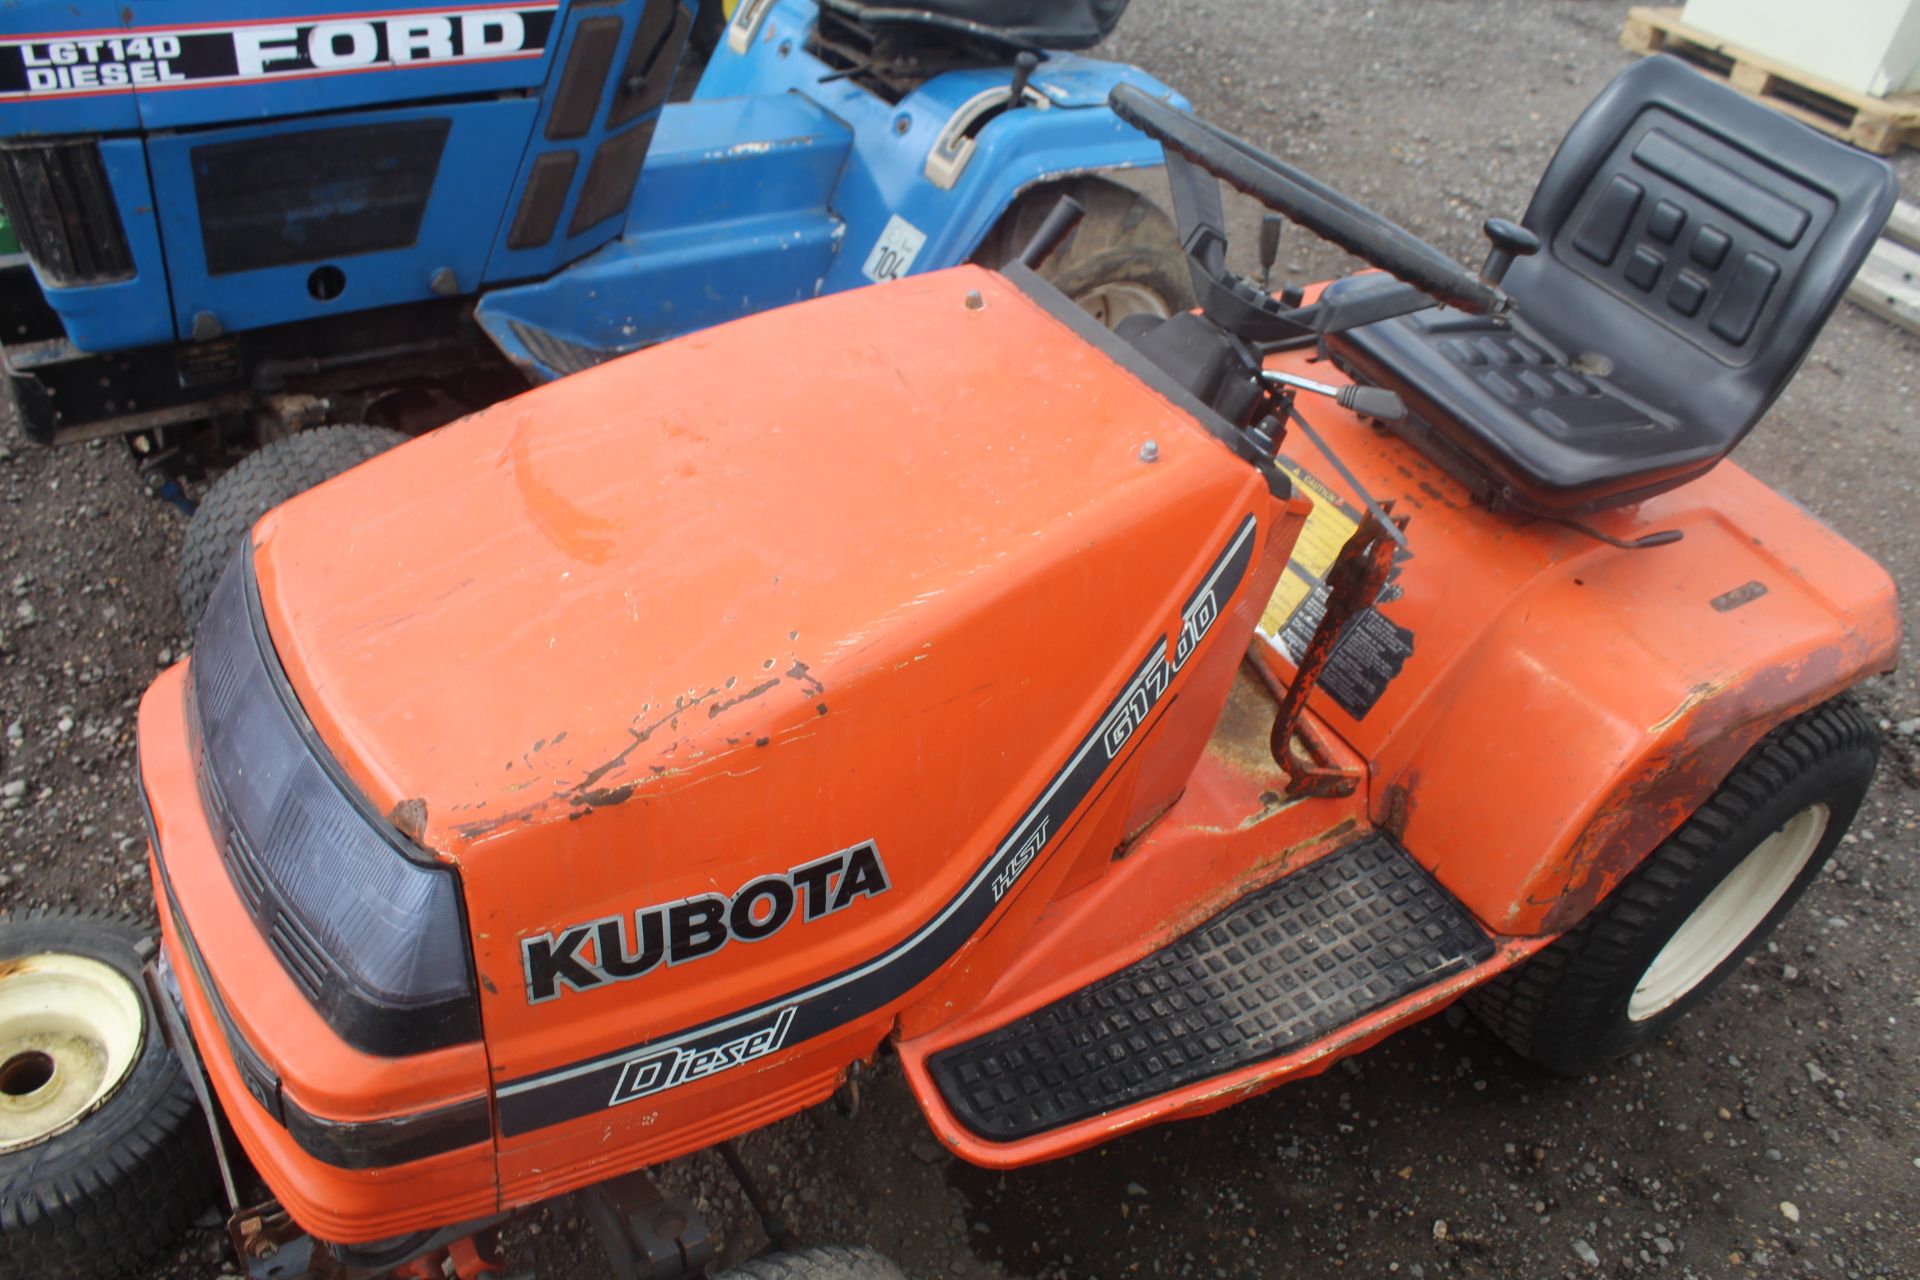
[1283, 966]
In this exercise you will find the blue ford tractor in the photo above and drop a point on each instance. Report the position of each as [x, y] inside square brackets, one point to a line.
[253, 230]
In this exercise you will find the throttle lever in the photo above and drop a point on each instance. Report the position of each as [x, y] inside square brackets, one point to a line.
[1377, 403]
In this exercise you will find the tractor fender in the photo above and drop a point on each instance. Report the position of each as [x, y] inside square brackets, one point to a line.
[904, 211]
[1540, 709]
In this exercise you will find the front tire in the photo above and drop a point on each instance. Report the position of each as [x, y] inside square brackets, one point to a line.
[261, 481]
[104, 1155]
[1124, 259]
[1686, 917]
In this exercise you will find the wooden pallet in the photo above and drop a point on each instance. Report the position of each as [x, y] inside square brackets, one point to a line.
[1879, 125]
[1889, 284]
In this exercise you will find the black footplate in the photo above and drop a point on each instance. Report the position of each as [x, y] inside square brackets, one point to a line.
[1283, 966]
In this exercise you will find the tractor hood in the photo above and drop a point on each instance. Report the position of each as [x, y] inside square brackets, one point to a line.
[857, 573]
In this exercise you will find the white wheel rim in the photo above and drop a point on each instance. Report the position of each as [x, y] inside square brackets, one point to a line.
[1729, 915]
[70, 1031]
[1113, 302]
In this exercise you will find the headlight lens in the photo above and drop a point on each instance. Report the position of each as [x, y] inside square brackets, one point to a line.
[367, 924]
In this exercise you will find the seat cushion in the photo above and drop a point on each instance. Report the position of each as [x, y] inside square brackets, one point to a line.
[1519, 420]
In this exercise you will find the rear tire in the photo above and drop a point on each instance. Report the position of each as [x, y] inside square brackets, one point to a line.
[1685, 918]
[261, 481]
[107, 1157]
[817, 1262]
[1124, 258]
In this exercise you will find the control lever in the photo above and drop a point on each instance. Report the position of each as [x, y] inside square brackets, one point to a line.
[1270, 226]
[1377, 403]
[1025, 63]
[1510, 240]
[1061, 219]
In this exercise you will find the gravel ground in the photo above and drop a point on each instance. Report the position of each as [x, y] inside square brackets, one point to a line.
[1776, 1133]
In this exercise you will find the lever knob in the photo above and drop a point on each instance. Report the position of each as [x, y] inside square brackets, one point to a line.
[1510, 240]
[1270, 226]
[1025, 63]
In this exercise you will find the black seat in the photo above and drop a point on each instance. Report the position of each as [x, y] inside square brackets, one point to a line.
[1034, 24]
[1693, 244]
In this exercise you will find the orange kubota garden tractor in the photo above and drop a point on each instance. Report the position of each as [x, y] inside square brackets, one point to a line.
[1112, 726]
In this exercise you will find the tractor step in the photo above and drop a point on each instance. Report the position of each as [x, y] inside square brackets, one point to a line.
[1285, 965]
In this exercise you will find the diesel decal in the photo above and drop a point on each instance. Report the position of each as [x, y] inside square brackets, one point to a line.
[652, 1072]
[616, 948]
[567, 1093]
[184, 57]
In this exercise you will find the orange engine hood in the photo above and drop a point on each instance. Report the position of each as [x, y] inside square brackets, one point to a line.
[859, 570]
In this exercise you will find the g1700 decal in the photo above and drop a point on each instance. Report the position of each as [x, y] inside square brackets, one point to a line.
[566, 1093]
[189, 56]
[615, 948]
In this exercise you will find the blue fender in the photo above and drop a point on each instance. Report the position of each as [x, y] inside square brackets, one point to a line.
[778, 182]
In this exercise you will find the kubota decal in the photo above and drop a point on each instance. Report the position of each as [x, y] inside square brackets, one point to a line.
[616, 948]
[190, 56]
[566, 1093]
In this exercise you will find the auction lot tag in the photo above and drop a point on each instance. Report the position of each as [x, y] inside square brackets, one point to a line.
[894, 252]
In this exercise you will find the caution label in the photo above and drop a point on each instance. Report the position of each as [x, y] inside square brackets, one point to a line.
[1372, 649]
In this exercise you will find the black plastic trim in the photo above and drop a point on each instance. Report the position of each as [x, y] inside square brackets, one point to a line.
[368, 1024]
[1136, 362]
[344, 1144]
[577, 101]
[610, 177]
[63, 208]
[540, 203]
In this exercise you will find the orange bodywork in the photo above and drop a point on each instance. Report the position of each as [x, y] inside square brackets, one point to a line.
[1567, 704]
[906, 632]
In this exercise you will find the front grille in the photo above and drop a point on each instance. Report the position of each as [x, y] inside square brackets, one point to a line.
[323, 193]
[61, 205]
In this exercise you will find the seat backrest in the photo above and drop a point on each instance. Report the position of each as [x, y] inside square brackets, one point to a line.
[1731, 228]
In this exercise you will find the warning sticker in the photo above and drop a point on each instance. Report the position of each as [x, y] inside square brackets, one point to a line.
[1372, 649]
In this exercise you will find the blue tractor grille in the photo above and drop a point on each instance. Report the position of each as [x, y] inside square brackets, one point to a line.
[62, 207]
[282, 198]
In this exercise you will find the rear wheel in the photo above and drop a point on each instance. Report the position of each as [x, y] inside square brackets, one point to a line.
[104, 1155]
[261, 481]
[1124, 259]
[1685, 918]
[818, 1262]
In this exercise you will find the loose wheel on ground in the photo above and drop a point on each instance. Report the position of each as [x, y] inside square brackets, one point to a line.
[261, 481]
[104, 1155]
[1699, 903]
[1123, 259]
[817, 1262]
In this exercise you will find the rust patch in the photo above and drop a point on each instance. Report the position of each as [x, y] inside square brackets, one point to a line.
[1746, 593]
[1714, 727]
[409, 817]
[1398, 807]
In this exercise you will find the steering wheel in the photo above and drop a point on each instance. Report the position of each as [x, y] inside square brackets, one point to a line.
[1305, 200]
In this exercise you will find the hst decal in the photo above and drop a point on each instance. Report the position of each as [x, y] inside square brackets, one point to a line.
[180, 57]
[818, 1008]
[617, 948]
